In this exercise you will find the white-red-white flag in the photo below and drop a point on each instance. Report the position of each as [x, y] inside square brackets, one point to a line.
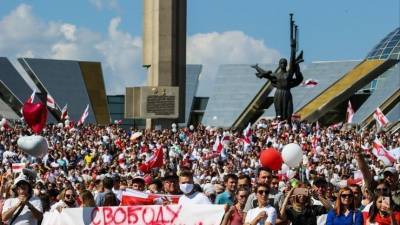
[336, 126]
[217, 145]
[131, 197]
[32, 97]
[64, 112]
[247, 137]
[17, 167]
[155, 161]
[50, 102]
[310, 83]
[84, 116]
[381, 153]
[350, 113]
[380, 117]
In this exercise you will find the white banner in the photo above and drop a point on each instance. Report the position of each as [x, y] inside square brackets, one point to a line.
[140, 215]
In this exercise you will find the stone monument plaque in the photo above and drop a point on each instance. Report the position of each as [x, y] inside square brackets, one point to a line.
[152, 102]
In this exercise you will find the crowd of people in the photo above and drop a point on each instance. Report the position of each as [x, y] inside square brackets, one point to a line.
[339, 180]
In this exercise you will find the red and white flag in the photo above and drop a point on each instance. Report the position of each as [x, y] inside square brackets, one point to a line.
[247, 134]
[118, 122]
[64, 112]
[350, 113]
[380, 117]
[247, 137]
[217, 145]
[381, 153]
[17, 167]
[32, 97]
[336, 126]
[131, 197]
[155, 161]
[84, 116]
[50, 102]
[310, 83]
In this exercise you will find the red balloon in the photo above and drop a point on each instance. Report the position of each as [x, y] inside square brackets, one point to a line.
[271, 159]
[35, 115]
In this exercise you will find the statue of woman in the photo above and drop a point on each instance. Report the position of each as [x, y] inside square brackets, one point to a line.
[283, 80]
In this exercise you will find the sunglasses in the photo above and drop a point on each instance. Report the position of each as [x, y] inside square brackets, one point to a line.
[242, 196]
[381, 190]
[346, 196]
[68, 196]
[260, 192]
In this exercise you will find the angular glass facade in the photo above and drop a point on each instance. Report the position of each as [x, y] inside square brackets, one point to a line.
[388, 47]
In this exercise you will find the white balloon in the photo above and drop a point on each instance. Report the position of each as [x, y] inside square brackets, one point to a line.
[292, 155]
[174, 130]
[285, 168]
[3, 122]
[290, 174]
[191, 127]
[173, 125]
[33, 145]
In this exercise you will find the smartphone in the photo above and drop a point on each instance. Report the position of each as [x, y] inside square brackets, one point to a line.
[386, 202]
[301, 191]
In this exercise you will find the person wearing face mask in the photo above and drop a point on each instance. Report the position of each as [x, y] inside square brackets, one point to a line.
[190, 195]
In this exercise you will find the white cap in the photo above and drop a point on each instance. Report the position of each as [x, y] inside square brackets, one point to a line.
[392, 170]
[21, 177]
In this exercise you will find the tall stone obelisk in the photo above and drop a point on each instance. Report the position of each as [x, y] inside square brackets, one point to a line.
[164, 47]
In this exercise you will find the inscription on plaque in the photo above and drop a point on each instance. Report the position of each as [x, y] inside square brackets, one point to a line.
[161, 104]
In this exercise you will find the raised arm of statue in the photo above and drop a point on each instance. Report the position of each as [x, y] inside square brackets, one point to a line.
[261, 73]
[295, 81]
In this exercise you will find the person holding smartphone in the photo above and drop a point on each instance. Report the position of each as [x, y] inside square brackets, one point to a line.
[382, 213]
[301, 211]
[24, 208]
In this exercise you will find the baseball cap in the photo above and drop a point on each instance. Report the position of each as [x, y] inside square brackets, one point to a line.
[392, 170]
[21, 178]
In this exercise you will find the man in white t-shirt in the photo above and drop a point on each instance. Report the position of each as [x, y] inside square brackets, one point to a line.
[190, 194]
[263, 214]
[32, 208]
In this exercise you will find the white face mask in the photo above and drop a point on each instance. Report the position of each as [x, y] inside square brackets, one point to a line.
[186, 188]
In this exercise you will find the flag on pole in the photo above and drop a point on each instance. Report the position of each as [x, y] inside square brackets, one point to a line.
[155, 161]
[380, 117]
[310, 83]
[50, 102]
[217, 145]
[17, 167]
[32, 97]
[64, 112]
[350, 113]
[247, 137]
[381, 153]
[84, 116]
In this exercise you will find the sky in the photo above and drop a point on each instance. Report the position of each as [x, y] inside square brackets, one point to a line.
[218, 32]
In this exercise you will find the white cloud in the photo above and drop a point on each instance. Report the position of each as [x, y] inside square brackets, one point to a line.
[69, 31]
[122, 55]
[102, 4]
[231, 47]
[25, 35]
